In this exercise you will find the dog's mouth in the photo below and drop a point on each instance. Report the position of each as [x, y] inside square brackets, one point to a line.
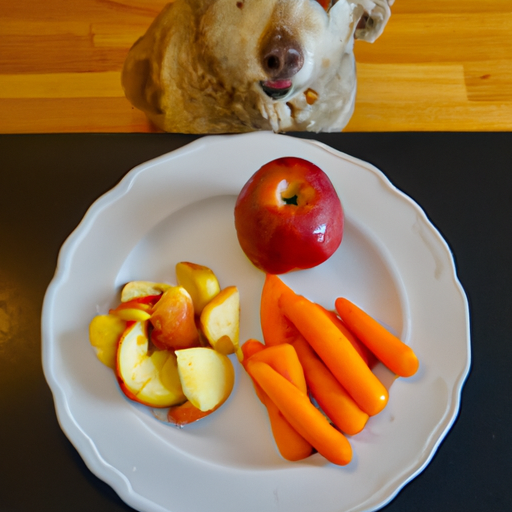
[276, 89]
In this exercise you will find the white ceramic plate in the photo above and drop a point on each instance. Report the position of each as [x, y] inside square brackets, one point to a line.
[392, 262]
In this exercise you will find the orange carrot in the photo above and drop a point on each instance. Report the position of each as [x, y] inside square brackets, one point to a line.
[361, 349]
[251, 347]
[283, 358]
[285, 361]
[328, 392]
[275, 326]
[291, 445]
[336, 352]
[393, 353]
[304, 417]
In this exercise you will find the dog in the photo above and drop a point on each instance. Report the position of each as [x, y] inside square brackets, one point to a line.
[232, 66]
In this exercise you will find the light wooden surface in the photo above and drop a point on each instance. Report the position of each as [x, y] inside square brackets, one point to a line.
[441, 65]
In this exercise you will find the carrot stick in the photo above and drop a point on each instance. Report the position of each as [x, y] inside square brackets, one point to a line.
[284, 360]
[251, 347]
[393, 353]
[275, 326]
[304, 417]
[328, 392]
[291, 445]
[336, 352]
[361, 349]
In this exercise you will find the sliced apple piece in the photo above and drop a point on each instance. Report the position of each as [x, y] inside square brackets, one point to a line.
[104, 334]
[137, 289]
[207, 377]
[183, 414]
[220, 321]
[137, 310]
[169, 374]
[134, 314]
[151, 379]
[199, 281]
[173, 321]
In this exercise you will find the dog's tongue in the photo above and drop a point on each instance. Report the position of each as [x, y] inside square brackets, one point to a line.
[278, 84]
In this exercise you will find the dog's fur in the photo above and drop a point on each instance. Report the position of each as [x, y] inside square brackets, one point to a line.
[198, 69]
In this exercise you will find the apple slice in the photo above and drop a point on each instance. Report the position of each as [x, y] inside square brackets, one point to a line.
[220, 321]
[137, 289]
[151, 379]
[207, 377]
[184, 414]
[173, 321]
[137, 310]
[199, 281]
[133, 314]
[104, 334]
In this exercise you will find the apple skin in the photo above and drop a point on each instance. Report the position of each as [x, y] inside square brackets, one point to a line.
[186, 413]
[173, 321]
[288, 216]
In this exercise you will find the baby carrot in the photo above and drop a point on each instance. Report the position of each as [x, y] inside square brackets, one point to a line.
[336, 352]
[275, 326]
[304, 417]
[251, 347]
[291, 445]
[328, 392]
[393, 353]
[285, 361]
[361, 349]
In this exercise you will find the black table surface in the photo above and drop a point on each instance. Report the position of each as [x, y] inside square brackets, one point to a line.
[463, 181]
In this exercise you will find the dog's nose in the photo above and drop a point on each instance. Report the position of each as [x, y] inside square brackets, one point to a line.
[282, 57]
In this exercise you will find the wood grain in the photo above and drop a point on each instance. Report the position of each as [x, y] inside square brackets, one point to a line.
[441, 65]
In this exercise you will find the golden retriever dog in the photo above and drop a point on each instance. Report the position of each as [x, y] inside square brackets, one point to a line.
[227, 66]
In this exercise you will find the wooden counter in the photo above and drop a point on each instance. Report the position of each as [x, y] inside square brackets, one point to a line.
[441, 65]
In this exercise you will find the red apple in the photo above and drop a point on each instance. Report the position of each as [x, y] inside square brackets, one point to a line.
[288, 216]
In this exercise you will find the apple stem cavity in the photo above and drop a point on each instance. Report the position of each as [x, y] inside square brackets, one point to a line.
[291, 200]
[288, 193]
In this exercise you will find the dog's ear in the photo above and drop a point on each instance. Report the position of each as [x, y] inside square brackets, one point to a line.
[137, 79]
[372, 16]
